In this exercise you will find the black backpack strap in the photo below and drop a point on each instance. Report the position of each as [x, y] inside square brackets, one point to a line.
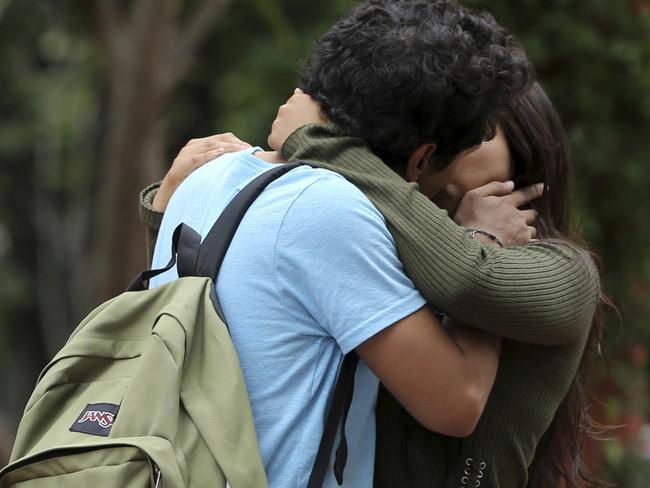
[188, 251]
[337, 416]
[185, 247]
[341, 456]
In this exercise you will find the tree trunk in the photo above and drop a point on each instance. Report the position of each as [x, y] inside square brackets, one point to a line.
[148, 53]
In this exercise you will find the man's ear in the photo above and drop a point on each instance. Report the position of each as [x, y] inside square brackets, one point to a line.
[419, 161]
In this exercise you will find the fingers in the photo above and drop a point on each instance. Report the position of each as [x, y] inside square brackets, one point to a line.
[197, 158]
[495, 188]
[217, 140]
[299, 110]
[299, 99]
[530, 216]
[228, 147]
[201, 159]
[199, 147]
[526, 195]
[197, 154]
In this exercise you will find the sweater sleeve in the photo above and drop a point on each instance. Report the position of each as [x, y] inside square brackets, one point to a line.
[542, 293]
[150, 218]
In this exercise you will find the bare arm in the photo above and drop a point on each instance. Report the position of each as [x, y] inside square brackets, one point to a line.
[443, 382]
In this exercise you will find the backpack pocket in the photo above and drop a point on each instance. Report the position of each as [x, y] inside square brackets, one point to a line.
[100, 466]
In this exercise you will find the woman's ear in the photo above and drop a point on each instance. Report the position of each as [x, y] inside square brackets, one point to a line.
[419, 161]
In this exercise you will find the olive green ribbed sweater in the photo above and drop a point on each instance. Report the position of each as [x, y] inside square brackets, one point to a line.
[542, 294]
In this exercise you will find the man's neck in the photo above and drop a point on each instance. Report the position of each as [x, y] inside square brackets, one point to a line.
[270, 156]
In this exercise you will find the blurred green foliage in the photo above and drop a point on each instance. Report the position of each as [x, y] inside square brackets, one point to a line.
[592, 56]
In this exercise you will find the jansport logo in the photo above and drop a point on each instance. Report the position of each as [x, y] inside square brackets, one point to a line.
[105, 419]
[96, 419]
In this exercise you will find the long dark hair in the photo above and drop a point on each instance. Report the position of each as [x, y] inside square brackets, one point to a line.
[540, 152]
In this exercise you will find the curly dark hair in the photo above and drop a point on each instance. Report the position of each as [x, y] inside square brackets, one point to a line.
[401, 73]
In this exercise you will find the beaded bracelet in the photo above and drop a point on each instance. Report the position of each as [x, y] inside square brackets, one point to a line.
[492, 237]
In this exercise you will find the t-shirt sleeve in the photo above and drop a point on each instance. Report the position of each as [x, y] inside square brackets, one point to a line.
[336, 257]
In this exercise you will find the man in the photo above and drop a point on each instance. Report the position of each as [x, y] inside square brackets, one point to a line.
[326, 277]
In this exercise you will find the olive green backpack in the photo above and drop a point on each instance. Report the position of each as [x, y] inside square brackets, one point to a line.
[148, 390]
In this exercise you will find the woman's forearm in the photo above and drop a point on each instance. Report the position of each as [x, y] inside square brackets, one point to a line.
[150, 217]
[541, 293]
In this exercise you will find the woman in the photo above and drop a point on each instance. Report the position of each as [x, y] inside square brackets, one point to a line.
[530, 146]
[530, 433]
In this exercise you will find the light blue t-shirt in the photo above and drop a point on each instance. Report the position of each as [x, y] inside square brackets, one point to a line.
[311, 273]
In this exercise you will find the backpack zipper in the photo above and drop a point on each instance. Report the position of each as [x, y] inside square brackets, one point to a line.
[157, 474]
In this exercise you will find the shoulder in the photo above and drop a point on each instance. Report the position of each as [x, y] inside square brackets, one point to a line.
[330, 219]
[335, 256]
[328, 199]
